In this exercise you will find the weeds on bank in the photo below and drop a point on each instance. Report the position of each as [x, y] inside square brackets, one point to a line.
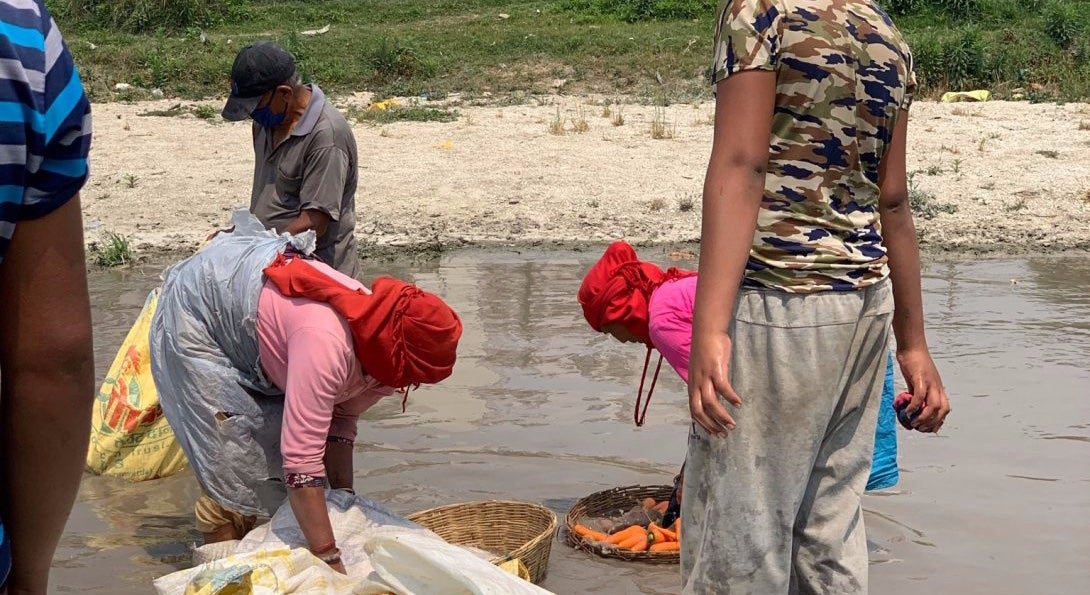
[984, 140]
[1084, 125]
[657, 205]
[618, 117]
[1048, 153]
[202, 111]
[686, 203]
[114, 250]
[556, 125]
[660, 128]
[410, 113]
[130, 180]
[579, 123]
[205, 112]
[924, 204]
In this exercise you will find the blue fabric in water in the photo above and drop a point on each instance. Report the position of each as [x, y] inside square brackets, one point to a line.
[883, 468]
[5, 556]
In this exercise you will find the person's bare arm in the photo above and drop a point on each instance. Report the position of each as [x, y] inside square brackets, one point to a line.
[309, 507]
[733, 188]
[309, 219]
[899, 237]
[47, 384]
[338, 465]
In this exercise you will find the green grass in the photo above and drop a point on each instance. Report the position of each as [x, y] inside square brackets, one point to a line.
[114, 250]
[202, 111]
[411, 113]
[647, 48]
[400, 47]
[1002, 45]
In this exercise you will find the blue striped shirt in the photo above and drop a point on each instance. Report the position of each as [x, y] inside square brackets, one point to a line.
[45, 118]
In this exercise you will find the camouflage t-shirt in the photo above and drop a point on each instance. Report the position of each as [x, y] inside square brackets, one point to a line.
[843, 77]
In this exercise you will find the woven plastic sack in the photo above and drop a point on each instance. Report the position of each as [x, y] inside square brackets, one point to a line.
[278, 571]
[382, 552]
[130, 437]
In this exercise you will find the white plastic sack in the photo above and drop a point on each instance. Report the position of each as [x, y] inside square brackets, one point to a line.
[277, 571]
[381, 551]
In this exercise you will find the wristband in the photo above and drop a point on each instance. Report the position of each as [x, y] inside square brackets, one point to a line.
[332, 557]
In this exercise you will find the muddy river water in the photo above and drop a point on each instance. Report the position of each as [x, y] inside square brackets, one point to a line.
[539, 408]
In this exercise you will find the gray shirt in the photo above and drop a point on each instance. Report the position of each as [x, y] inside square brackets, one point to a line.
[315, 168]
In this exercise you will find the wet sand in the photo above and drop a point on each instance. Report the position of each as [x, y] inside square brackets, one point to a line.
[539, 409]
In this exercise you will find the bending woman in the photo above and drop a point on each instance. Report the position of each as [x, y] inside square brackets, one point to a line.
[635, 301]
[264, 361]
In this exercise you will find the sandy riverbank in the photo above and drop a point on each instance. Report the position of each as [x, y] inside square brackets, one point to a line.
[1017, 175]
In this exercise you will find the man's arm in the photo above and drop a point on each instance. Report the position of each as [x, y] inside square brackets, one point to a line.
[309, 219]
[324, 176]
[47, 368]
[899, 237]
[733, 188]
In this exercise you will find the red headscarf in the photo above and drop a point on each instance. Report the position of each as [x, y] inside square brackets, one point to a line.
[403, 336]
[618, 288]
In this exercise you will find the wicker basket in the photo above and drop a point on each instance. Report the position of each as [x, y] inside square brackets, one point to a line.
[610, 503]
[508, 529]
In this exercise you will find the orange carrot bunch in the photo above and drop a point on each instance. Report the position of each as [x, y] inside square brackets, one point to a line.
[637, 538]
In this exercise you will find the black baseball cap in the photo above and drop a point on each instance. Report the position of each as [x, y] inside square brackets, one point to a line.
[259, 68]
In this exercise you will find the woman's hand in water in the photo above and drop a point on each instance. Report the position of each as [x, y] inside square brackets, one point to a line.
[709, 363]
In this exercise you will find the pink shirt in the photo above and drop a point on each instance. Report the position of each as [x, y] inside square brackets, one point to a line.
[306, 350]
[670, 322]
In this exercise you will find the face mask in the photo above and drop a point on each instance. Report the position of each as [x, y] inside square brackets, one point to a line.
[265, 117]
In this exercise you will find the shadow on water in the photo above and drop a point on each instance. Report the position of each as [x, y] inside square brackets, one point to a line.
[539, 409]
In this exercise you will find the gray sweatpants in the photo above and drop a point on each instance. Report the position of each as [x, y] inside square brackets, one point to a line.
[775, 507]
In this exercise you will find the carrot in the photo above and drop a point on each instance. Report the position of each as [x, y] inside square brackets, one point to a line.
[641, 545]
[587, 533]
[648, 503]
[666, 546]
[631, 542]
[590, 533]
[661, 506]
[657, 532]
[624, 534]
[669, 535]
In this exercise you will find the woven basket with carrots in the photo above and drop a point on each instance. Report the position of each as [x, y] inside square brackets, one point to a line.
[610, 524]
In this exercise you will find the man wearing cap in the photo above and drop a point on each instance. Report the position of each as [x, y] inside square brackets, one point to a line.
[305, 167]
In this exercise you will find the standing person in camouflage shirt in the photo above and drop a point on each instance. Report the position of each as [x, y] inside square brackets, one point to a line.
[808, 256]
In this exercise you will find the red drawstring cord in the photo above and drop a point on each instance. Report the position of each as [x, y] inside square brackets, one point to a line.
[637, 415]
[405, 395]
